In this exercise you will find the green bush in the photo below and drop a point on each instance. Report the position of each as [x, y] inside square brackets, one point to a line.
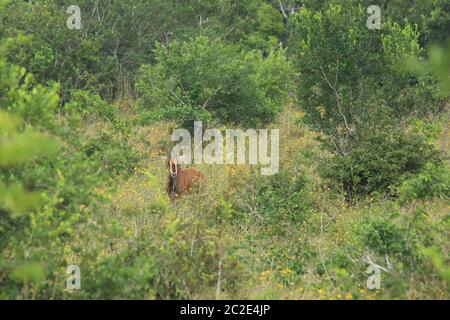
[432, 182]
[187, 255]
[45, 187]
[355, 91]
[378, 161]
[208, 80]
[265, 30]
[36, 106]
[437, 23]
[383, 238]
[276, 201]
[26, 210]
[87, 104]
[114, 155]
[106, 53]
[123, 275]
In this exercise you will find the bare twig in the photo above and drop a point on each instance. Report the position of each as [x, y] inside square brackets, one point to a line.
[338, 99]
[369, 261]
[282, 9]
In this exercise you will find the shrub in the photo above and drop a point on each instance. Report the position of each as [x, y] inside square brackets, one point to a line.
[432, 182]
[36, 106]
[383, 238]
[276, 201]
[44, 194]
[187, 254]
[378, 162]
[355, 91]
[113, 155]
[342, 84]
[208, 80]
[105, 55]
[129, 274]
[26, 211]
[265, 29]
[87, 104]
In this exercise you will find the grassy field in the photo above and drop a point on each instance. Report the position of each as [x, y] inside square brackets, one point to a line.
[243, 236]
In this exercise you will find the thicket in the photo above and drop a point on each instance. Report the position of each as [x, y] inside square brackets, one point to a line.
[84, 122]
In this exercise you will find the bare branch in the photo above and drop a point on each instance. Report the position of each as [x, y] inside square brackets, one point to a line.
[338, 100]
[282, 9]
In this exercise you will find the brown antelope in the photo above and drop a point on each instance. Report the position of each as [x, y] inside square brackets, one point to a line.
[181, 180]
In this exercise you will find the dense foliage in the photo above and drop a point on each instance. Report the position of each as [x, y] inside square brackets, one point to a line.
[355, 90]
[85, 122]
[208, 80]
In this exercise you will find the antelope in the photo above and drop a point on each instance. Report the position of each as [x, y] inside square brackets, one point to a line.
[181, 180]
